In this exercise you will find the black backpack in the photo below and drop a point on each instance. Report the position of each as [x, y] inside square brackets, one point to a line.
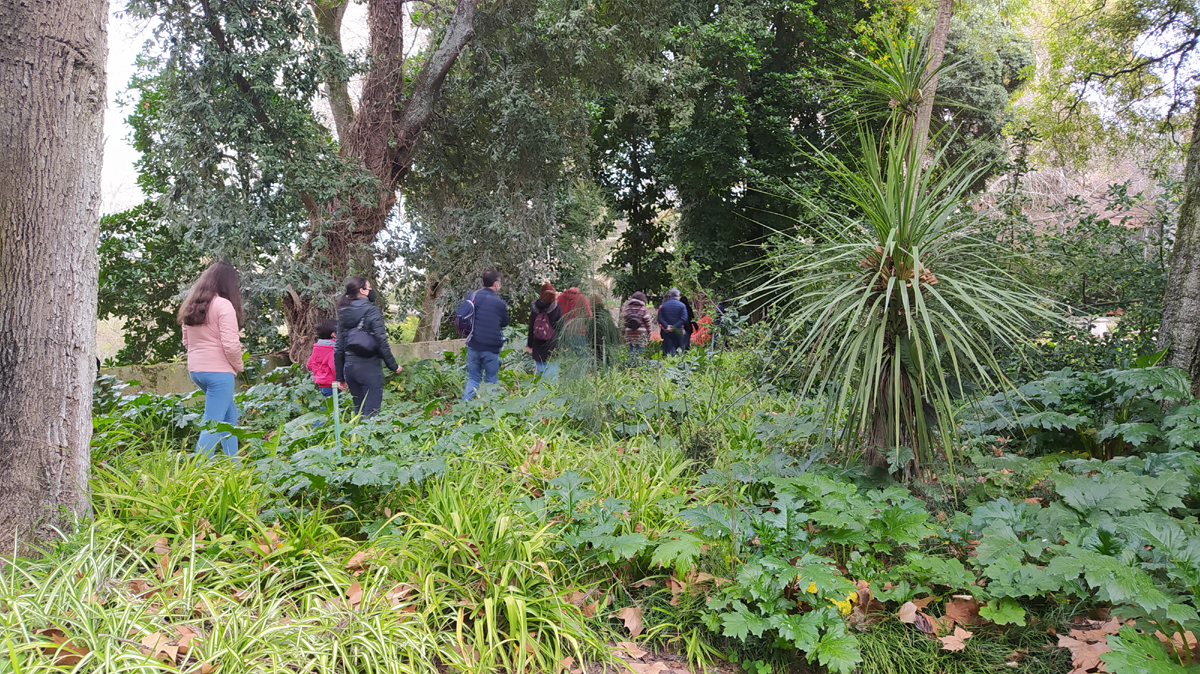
[360, 342]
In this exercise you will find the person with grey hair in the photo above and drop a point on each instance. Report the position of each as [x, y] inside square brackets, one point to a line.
[672, 316]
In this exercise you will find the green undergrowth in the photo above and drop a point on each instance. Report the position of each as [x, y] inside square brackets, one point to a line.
[689, 507]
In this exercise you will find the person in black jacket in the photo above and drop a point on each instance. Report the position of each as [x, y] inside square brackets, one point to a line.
[541, 349]
[689, 325]
[489, 318]
[357, 367]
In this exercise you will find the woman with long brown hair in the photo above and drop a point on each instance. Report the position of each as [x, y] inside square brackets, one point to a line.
[211, 317]
[361, 347]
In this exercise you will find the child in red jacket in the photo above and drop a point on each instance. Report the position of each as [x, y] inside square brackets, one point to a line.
[321, 360]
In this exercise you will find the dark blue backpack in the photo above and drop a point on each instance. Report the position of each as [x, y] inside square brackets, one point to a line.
[464, 317]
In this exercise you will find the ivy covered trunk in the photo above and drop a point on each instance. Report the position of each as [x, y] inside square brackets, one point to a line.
[1180, 330]
[380, 137]
[52, 59]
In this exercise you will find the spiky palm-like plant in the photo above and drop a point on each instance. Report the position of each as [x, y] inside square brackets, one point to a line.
[895, 300]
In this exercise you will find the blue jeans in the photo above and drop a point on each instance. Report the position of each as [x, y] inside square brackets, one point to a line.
[326, 391]
[482, 366]
[549, 371]
[218, 406]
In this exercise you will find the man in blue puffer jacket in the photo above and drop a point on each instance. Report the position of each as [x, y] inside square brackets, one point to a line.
[672, 316]
[486, 338]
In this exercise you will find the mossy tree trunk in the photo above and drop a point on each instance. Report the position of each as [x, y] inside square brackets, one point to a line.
[1180, 330]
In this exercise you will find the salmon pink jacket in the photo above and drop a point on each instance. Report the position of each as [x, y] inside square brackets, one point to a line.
[214, 346]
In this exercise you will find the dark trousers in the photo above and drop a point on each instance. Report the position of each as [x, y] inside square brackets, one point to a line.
[672, 341]
[365, 381]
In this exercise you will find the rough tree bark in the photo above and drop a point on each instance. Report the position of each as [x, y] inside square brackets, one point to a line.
[430, 323]
[937, 51]
[52, 84]
[329, 24]
[1180, 329]
[383, 135]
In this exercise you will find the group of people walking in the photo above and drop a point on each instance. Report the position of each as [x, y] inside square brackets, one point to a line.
[352, 350]
[676, 323]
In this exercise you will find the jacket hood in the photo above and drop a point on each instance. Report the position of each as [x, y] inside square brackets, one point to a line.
[635, 303]
[352, 313]
[326, 342]
[543, 307]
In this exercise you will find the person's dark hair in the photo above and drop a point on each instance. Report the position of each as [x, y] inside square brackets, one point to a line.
[639, 296]
[325, 328]
[354, 284]
[219, 280]
[489, 278]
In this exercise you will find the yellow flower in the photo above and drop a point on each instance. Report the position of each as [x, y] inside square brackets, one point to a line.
[812, 588]
[844, 607]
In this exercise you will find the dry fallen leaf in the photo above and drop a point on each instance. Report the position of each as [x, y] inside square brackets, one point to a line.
[578, 598]
[140, 588]
[658, 667]
[1084, 656]
[909, 613]
[956, 641]
[359, 559]
[923, 602]
[161, 546]
[645, 582]
[676, 589]
[66, 652]
[398, 594]
[630, 649]
[354, 595]
[632, 615]
[164, 567]
[963, 611]
[157, 646]
[1180, 644]
[1091, 630]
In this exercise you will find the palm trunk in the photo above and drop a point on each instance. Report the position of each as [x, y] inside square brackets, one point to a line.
[52, 79]
[937, 51]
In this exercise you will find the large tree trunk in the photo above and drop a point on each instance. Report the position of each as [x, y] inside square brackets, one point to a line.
[1180, 330]
[937, 51]
[52, 59]
[382, 135]
[430, 323]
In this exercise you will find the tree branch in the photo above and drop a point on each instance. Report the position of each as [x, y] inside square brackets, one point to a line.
[329, 27]
[419, 106]
[214, 28]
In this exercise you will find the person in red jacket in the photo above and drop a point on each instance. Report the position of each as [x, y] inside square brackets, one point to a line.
[321, 360]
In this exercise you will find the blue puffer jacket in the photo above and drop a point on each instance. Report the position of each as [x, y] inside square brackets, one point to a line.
[673, 313]
[491, 316]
